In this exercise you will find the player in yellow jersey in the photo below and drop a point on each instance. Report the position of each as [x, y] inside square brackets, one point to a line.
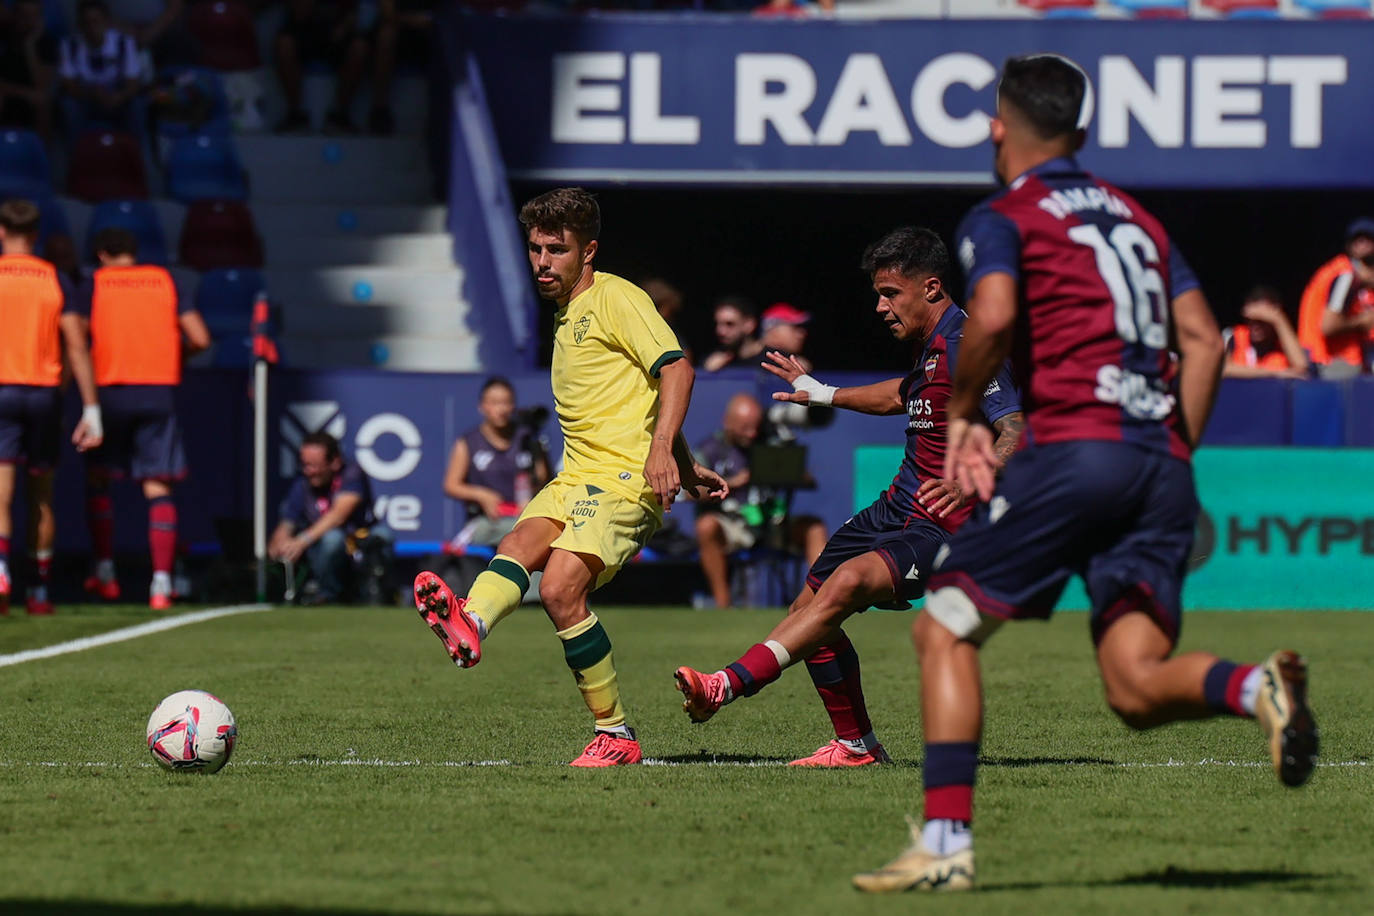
[621, 386]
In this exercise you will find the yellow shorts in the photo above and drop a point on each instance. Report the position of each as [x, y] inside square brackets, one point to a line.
[596, 521]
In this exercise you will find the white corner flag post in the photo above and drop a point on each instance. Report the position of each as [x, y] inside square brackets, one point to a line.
[264, 353]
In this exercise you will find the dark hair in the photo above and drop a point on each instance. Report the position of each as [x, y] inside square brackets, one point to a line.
[911, 251]
[1263, 292]
[1046, 89]
[99, 5]
[496, 381]
[563, 208]
[19, 217]
[114, 241]
[741, 304]
[325, 441]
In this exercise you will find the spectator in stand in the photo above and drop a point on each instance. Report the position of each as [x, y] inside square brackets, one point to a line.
[1336, 316]
[784, 330]
[39, 317]
[747, 516]
[100, 69]
[495, 468]
[28, 62]
[403, 32]
[1264, 345]
[140, 329]
[332, 31]
[327, 517]
[159, 27]
[668, 300]
[738, 346]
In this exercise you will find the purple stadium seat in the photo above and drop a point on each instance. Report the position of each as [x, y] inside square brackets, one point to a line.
[106, 165]
[220, 233]
[228, 38]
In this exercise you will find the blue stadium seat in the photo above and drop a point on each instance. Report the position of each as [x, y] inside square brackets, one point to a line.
[185, 81]
[1154, 9]
[137, 216]
[225, 300]
[54, 16]
[52, 221]
[24, 170]
[205, 167]
[1337, 9]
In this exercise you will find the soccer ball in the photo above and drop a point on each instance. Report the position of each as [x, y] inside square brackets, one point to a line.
[192, 731]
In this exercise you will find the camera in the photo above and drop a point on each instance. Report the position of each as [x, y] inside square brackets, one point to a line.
[784, 419]
[531, 418]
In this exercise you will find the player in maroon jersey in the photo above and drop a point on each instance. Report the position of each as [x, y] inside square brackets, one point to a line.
[885, 552]
[1118, 359]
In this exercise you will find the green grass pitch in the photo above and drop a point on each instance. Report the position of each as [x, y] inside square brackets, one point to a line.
[353, 788]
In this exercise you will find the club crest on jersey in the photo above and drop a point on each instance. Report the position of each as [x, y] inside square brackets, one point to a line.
[931, 365]
[580, 328]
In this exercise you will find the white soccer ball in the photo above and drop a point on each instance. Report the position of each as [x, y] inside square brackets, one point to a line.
[192, 731]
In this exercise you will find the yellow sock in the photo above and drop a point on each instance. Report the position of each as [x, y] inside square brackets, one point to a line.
[587, 649]
[498, 590]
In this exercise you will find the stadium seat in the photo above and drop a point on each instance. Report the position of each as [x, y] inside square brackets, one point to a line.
[219, 233]
[1154, 9]
[1256, 9]
[1061, 7]
[205, 167]
[1337, 9]
[24, 170]
[225, 300]
[106, 165]
[52, 222]
[186, 82]
[137, 216]
[227, 34]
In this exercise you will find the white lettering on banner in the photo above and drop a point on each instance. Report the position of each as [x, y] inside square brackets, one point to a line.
[384, 424]
[863, 100]
[1219, 101]
[399, 513]
[572, 98]
[928, 99]
[1307, 76]
[756, 107]
[607, 97]
[648, 124]
[1125, 93]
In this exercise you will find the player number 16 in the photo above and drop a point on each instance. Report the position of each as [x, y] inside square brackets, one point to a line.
[1137, 289]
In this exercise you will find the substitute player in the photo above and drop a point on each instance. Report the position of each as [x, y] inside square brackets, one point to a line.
[37, 319]
[622, 388]
[1119, 358]
[884, 553]
[140, 329]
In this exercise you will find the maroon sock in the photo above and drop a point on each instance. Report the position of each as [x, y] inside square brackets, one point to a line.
[834, 669]
[5, 549]
[100, 517]
[755, 670]
[162, 533]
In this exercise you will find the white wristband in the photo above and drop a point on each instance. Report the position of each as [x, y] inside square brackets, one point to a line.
[90, 415]
[820, 395]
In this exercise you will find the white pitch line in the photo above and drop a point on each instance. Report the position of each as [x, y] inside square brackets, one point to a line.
[134, 632]
[648, 761]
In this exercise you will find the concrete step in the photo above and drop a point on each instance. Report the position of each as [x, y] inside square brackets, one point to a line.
[331, 321]
[323, 170]
[420, 250]
[278, 219]
[456, 353]
[365, 285]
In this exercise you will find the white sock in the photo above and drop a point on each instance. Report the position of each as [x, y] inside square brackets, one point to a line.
[4, 568]
[162, 583]
[104, 570]
[944, 837]
[480, 624]
[620, 731]
[861, 746]
[779, 652]
[729, 690]
[1250, 688]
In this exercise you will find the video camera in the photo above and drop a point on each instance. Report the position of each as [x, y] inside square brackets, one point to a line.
[531, 418]
[784, 419]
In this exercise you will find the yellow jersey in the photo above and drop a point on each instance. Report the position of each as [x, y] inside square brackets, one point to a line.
[609, 344]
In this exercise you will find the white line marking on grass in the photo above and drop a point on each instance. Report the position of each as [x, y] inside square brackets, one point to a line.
[134, 632]
[648, 761]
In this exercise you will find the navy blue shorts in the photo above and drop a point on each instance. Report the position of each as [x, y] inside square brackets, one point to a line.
[30, 425]
[1120, 516]
[907, 545]
[142, 437]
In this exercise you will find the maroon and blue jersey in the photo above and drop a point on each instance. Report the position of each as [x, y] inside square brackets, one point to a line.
[1096, 274]
[926, 391]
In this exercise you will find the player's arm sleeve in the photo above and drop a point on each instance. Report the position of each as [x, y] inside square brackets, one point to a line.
[643, 333]
[987, 243]
[1181, 276]
[353, 481]
[1000, 397]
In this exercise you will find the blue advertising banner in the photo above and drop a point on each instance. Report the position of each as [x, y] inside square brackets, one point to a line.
[724, 100]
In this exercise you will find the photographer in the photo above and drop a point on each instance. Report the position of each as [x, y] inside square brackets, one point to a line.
[496, 467]
[751, 512]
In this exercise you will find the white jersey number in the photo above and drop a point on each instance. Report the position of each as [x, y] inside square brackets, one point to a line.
[1127, 260]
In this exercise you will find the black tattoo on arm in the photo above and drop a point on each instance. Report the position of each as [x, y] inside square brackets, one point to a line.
[1008, 429]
